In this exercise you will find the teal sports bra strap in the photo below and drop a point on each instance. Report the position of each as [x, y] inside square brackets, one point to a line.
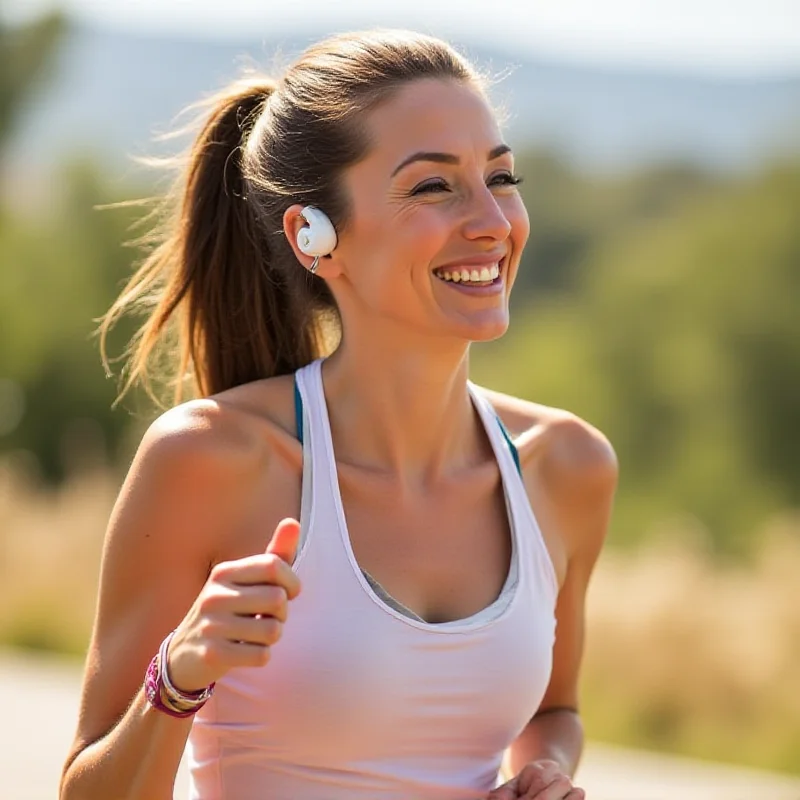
[511, 445]
[298, 412]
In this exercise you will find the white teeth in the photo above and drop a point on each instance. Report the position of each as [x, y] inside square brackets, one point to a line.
[482, 275]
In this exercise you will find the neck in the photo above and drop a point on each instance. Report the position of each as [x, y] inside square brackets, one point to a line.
[403, 409]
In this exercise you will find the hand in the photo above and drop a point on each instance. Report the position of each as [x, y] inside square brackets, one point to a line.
[238, 615]
[539, 780]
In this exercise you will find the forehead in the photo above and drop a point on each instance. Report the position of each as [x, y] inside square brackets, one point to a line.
[432, 115]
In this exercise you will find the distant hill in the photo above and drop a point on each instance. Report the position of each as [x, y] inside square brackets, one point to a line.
[114, 89]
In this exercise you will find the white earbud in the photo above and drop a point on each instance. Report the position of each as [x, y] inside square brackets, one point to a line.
[318, 238]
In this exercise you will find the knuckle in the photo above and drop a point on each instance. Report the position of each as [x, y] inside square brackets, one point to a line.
[220, 570]
[206, 628]
[272, 630]
[275, 600]
[259, 656]
[212, 600]
[272, 568]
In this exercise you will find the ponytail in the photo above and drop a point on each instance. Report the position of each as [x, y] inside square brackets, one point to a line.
[209, 285]
[226, 300]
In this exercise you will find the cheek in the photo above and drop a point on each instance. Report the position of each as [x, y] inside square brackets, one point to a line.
[423, 233]
[406, 244]
[517, 216]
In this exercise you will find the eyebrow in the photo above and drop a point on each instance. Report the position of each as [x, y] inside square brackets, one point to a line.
[447, 158]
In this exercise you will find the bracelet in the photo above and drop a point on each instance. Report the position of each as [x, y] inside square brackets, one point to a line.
[162, 694]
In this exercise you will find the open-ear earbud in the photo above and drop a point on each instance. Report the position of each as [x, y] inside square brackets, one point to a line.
[318, 238]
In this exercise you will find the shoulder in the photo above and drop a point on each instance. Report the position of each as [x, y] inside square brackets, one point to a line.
[235, 427]
[570, 460]
[199, 474]
[566, 443]
[206, 454]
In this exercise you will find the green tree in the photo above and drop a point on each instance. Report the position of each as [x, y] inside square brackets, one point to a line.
[27, 55]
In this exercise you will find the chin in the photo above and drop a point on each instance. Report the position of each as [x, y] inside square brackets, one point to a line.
[487, 330]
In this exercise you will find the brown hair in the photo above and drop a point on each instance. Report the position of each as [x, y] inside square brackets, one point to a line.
[227, 301]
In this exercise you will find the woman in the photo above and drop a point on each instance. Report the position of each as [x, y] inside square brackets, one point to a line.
[419, 622]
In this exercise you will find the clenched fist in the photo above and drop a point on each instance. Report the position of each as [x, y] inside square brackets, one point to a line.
[238, 615]
[539, 780]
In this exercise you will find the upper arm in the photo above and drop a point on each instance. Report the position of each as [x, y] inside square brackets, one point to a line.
[578, 473]
[156, 557]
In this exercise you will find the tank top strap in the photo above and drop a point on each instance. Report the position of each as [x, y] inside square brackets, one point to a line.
[529, 533]
[504, 447]
[318, 497]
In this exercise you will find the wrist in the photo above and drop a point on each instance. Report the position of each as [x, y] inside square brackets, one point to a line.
[176, 691]
[162, 695]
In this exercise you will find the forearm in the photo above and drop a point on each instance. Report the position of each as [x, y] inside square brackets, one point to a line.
[555, 734]
[138, 758]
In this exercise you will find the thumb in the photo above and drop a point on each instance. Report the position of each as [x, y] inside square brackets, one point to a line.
[285, 540]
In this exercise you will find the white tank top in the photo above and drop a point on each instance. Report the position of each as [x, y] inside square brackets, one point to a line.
[361, 700]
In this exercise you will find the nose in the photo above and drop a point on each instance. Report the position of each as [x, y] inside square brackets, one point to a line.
[485, 219]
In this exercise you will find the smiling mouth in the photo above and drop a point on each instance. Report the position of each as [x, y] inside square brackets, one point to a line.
[470, 275]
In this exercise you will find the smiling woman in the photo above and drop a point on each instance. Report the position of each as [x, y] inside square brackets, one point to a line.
[337, 241]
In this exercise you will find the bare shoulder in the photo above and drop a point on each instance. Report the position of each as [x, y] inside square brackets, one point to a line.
[231, 425]
[221, 435]
[200, 467]
[562, 439]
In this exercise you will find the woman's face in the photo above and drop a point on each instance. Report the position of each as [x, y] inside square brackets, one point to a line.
[433, 208]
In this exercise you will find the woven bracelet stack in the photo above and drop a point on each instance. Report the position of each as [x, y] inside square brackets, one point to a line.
[163, 695]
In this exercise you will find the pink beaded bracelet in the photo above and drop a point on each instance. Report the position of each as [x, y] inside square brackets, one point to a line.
[157, 681]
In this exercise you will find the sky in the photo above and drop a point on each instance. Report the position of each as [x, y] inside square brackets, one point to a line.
[729, 37]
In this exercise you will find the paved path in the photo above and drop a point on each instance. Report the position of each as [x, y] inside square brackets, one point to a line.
[39, 698]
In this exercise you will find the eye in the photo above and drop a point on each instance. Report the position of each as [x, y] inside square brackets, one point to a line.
[505, 179]
[437, 185]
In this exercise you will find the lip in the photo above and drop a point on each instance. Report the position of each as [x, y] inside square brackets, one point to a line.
[483, 260]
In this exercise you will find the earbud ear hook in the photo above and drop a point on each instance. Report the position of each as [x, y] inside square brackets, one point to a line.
[318, 238]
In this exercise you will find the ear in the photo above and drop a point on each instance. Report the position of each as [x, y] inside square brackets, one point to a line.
[293, 223]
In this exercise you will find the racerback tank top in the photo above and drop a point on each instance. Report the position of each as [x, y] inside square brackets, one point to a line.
[361, 701]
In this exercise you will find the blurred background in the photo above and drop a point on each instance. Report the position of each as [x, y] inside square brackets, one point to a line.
[658, 299]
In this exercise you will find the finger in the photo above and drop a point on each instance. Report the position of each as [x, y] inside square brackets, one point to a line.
[559, 789]
[285, 540]
[244, 654]
[266, 568]
[266, 601]
[254, 630]
[537, 776]
[576, 794]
